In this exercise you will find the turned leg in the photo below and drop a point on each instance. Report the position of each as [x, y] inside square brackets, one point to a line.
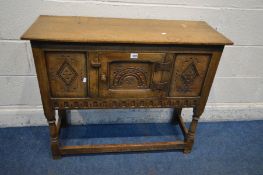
[53, 135]
[63, 117]
[191, 132]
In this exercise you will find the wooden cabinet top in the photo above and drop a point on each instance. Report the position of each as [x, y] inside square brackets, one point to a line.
[117, 30]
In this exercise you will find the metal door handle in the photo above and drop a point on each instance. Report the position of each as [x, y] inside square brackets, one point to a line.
[95, 64]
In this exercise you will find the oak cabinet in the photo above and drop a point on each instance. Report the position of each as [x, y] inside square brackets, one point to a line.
[131, 64]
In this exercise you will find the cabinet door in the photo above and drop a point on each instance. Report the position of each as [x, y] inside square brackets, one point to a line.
[134, 74]
[189, 74]
[67, 73]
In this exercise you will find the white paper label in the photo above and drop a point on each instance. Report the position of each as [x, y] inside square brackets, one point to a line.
[84, 80]
[134, 55]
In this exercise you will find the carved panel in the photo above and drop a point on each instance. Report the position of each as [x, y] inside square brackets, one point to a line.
[66, 71]
[130, 75]
[124, 103]
[138, 77]
[189, 74]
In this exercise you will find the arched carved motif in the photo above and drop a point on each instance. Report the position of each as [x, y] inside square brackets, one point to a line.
[130, 76]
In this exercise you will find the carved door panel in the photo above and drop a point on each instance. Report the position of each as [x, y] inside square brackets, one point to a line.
[134, 75]
[67, 73]
[189, 74]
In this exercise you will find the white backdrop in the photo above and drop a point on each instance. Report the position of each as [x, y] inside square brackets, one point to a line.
[237, 93]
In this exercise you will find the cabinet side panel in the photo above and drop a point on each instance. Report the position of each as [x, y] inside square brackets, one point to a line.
[209, 81]
[42, 77]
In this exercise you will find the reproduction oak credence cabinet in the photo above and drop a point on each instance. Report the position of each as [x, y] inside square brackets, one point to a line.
[87, 63]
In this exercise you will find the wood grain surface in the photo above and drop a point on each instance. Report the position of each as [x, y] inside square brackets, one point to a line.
[117, 30]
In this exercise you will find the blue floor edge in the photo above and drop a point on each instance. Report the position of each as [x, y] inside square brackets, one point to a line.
[220, 148]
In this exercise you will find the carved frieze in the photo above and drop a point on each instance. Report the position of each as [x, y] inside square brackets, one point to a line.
[124, 103]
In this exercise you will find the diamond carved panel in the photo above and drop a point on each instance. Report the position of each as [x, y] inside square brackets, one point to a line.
[67, 73]
[189, 74]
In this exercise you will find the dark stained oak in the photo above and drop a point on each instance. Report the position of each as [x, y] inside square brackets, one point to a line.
[106, 63]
